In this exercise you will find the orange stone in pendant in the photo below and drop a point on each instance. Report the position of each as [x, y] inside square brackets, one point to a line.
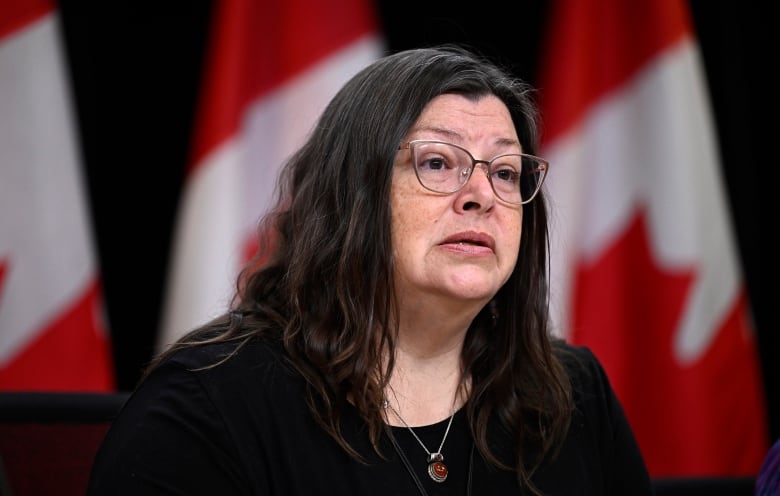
[438, 471]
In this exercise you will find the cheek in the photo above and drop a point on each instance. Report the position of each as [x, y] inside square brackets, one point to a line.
[407, 224]
[408, 212]
[513, 236]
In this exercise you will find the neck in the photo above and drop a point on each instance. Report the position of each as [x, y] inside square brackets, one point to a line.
[425, 395]
[426, 385]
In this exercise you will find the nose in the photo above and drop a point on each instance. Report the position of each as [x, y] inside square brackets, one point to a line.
[477, 193]
[484, 166]
[480, 164]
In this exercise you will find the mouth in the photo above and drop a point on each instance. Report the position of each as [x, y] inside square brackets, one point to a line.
[471, 238]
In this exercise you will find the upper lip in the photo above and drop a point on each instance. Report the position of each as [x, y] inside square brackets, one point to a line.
[471, 237]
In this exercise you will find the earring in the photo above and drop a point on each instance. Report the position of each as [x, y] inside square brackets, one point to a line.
[236, 319]
[493, 310]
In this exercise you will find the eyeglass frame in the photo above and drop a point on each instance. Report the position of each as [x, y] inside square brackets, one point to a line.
[545, 166]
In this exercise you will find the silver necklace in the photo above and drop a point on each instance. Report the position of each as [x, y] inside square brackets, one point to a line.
[437, 470]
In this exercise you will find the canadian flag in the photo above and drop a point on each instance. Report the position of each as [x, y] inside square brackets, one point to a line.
[53, 335]
[271, 68]
[644, 263]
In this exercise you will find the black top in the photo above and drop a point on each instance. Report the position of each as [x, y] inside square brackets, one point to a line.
[243, 428]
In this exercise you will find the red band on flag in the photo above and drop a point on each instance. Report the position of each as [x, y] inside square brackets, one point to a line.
[74, 346]
[258, 46]
[16, 14]
[595, 47]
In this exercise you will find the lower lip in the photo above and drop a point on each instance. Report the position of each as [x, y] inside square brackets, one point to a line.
[467, 249]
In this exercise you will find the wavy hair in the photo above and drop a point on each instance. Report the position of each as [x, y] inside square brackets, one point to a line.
[322, 286]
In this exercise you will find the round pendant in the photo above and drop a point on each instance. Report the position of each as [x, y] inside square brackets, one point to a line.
[438, 471]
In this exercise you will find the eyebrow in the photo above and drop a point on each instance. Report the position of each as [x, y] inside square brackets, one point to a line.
[438, 130]
[508, 142]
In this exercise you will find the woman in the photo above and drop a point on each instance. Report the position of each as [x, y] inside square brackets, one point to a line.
[391, 338]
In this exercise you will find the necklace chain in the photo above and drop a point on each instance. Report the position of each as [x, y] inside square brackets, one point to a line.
[436, 468]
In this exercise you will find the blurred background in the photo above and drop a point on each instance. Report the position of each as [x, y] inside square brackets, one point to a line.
[136, 69]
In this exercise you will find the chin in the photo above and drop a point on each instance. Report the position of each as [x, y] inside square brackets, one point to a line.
[481, 293]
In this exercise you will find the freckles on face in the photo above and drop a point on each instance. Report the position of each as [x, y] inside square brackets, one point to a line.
[415, 215]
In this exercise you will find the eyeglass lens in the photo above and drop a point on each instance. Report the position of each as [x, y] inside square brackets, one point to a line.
[445, 168]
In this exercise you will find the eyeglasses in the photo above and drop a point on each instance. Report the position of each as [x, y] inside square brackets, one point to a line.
[442, 167]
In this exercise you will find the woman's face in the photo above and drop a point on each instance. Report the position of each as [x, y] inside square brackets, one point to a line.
[464, 245]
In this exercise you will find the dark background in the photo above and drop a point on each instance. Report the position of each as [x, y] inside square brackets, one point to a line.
[136, 67]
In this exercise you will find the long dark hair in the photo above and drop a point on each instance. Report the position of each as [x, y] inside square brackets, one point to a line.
[321, 283]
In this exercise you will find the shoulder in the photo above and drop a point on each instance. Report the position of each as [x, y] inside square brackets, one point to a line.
[216, 389]
[600, 448]
[582, 366]
[223, 368]
[595, 402]
[253, 351]
[198, 419]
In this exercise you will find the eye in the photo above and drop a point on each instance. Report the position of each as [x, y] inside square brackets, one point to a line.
[433, 161]
[507, 175]
[437, 157]
[506, 169]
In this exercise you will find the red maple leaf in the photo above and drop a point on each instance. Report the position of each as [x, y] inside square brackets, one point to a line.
[703, 418]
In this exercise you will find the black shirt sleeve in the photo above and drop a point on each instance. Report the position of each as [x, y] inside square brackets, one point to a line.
[169, 439]
[601, 449]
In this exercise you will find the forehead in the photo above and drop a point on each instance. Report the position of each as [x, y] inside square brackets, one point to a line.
[458, 118]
